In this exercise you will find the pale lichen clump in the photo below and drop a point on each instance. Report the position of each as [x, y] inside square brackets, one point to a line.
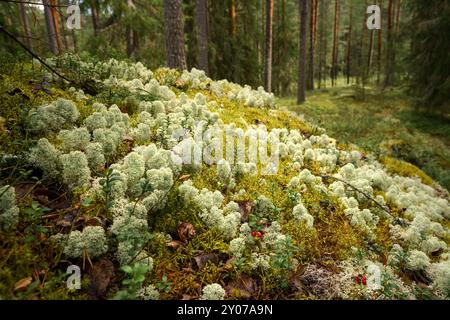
[91, 241]
[213, 292]
[9, 212]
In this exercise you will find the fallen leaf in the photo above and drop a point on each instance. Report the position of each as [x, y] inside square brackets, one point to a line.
[23, 284]
[202, 260]
[245, 207]
[186, 231]
[244, 287]
[100, 274]
[174, 244]
[184, 177]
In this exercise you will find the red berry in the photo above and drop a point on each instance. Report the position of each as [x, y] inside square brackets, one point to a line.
[254, 234]
[364, 280]
[259, 234]
[358, 280]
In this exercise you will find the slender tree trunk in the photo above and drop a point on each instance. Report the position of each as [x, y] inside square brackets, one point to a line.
[349, 45]
[310, 82]
[26, 26]
[380, 45]
[389, 62]
[95, 16]
[370, 53]
[130, 33]
[303, 14]
[323, 43]
[55, 16]
[63, 30]
[174, 29]
[50, 27]
[233, 23]
[268, 47]
[335, 44]
[201, 20]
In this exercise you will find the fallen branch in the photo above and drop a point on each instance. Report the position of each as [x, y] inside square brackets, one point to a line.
[33, 54]
[384, 208]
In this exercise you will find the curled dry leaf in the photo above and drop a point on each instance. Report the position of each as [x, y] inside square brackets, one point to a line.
[174, 244]
[203, 259]
[246, 208]
[184, 177]
[23, 284]
[100, 275]
[243, 287]
[186, 231]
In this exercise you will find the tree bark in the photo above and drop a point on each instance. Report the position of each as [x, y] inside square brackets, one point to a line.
[174, 29]
[55, 16]
[50, 27]
[130, 33]
[349, 44]
[335, 44]
[312, 27]
[63, 32]
[26, 26]
[380, 45]
[201, 17]
[95, 17]
[389, 62]
[268, 47]
[233, 24]
[303, 13]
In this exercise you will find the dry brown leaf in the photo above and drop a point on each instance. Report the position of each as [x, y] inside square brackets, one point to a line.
[23, 284]
[203, 259]
[184, 177]
[245, 207]
[100, 275]
[186, 231]
[174, 244]
[245, 287]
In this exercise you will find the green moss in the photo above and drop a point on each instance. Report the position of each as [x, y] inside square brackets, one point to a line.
[405, 169]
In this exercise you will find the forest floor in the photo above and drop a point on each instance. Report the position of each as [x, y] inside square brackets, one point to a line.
[383, 123]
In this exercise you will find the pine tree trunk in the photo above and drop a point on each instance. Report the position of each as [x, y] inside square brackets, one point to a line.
[50, 27]
[95, 16]
[55, 16]
[380, 44]
[26, 26]
[63, 30]
[310, 82]
[335, 44]
[349, 45]
[389, 62]
[174, 29]
[323, 43]
[201, 20]
[303, 14]
[268, 47]
[370, 53]
[130, 33]
[233, 24]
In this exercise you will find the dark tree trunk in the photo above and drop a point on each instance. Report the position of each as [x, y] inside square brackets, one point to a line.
[389, 49]
[335, 43]
[380, 44]
[26, 26]
[303, 15]
[312, 27]
[130, 33]
[349, 45]
[174, 26]
[50, 27]
[95, 17]
[268, 47]
[201, 19]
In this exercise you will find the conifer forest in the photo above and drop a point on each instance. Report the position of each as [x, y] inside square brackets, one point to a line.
[224, 150]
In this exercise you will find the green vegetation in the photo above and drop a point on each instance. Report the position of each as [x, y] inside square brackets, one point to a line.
[384, 123]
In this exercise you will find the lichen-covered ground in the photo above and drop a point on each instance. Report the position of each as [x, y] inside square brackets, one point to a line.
[89, 179]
